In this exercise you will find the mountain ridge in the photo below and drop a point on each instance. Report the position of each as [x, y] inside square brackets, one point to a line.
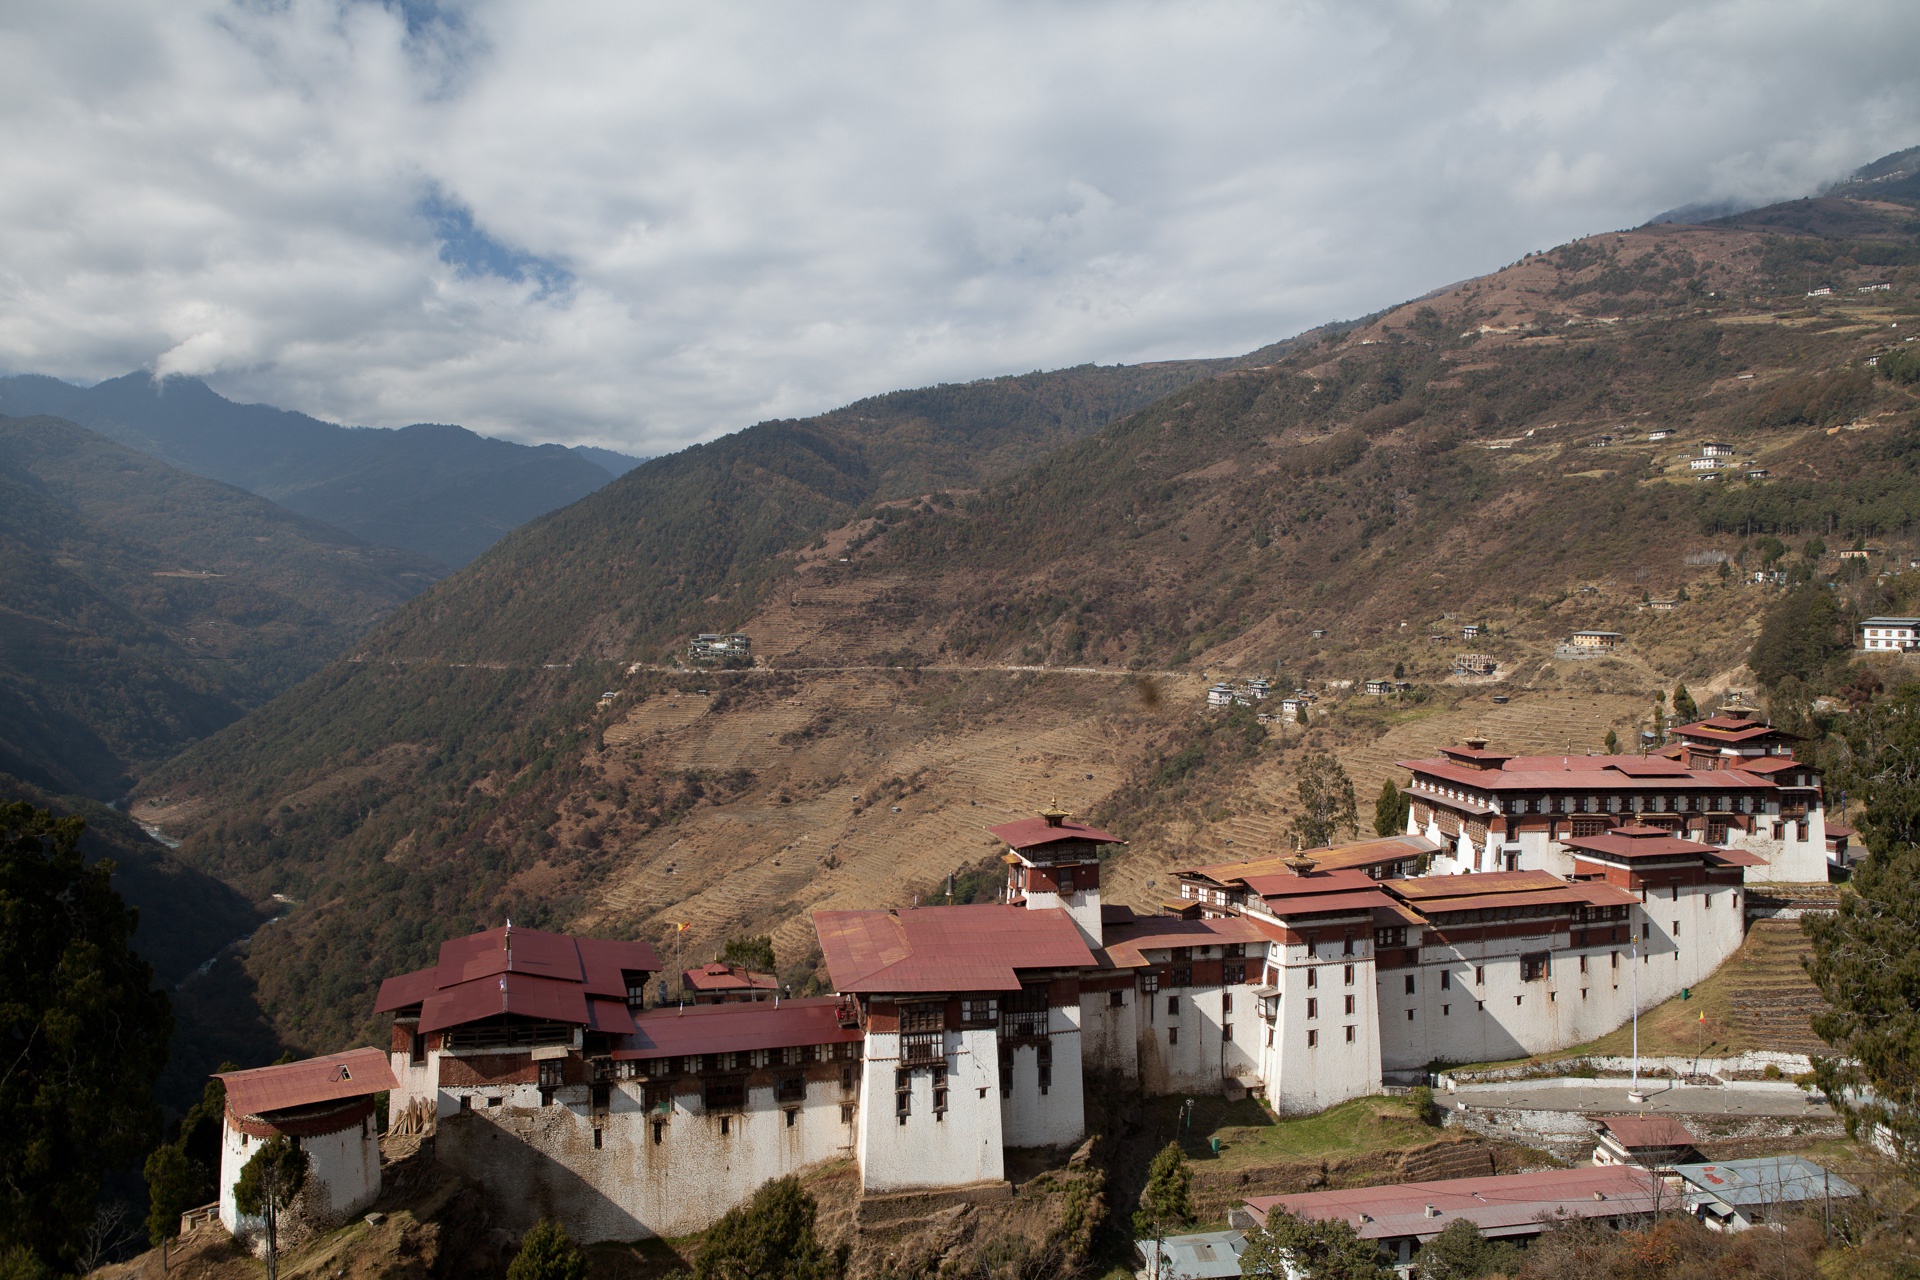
[435, 489]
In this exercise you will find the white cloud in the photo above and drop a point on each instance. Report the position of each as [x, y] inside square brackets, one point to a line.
[642, 225]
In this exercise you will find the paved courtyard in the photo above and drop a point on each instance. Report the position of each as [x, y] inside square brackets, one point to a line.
[1609, 1097]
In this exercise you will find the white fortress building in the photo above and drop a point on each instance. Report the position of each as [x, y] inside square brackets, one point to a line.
[1730, 782]
[1531, 902]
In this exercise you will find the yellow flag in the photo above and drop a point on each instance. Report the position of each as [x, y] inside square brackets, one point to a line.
[1703, 1015]
[682, 928]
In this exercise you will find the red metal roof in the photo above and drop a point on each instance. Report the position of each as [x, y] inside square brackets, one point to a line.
[1322, 904]
[526, 972]
[1509, 1204]
[1126, 942]
[1031, 833]
[1639, 842]
[353, 1074]
[730, 1028]
[1648, 1131]
[970, 948]
[1555, 773]
[718, 976]
[1472, 882]
[1328, 858]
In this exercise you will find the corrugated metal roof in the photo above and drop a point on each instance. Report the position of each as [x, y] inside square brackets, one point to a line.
[1340, 857]
[353, 1074]
[724, 977]
[1472, 882]
[731, 1028]
[1031, 833]
[1635, 841]
[526, 996]
[1125, 942]
[1767, 1180]
[1288, 908]
[1509, 1204]
[972, 948]
[1648, 1131]
[527, 972]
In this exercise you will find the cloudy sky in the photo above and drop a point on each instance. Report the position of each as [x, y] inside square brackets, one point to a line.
[640, 225]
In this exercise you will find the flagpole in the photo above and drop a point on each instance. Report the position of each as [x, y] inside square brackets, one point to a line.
[1634, 1094]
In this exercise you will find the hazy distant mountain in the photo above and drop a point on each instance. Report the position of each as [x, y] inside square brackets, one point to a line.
[616, 463]
[439, 490]
[1891, 177]
[1703, 211]
[142, 607]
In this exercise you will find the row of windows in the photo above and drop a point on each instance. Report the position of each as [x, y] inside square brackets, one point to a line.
[741, 1060]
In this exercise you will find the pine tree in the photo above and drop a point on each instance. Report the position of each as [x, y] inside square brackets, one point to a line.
[1390, 811]
[82, 1033]
[1461, 1252]
[1683, 705]
[267, 1185]
[1326, 802]
[1612, 743]
[546, 1253]
[1166, 1203]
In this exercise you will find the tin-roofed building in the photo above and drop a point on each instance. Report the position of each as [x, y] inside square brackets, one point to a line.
[1402, 1216]
[325, 1105]
[1734, 1195]
[1645, 1142]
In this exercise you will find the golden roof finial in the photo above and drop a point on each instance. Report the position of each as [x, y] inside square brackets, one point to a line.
[1054, 814]
[1300, 863]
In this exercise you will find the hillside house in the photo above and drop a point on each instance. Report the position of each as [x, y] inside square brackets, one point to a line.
[1598, 641]
[711, 646]
[1730, 783]
[1661, 604]
[325, 1105]
[1703, 464]
[722, 983]
[1471, 631]
[1824, 291]
[1474, 664]
[1758, 473]
[1220, 695]
[1655, 1143]
[1660, 433]
[1318, 633]
[1258, 688]
[1889, 634]
[1715, 449]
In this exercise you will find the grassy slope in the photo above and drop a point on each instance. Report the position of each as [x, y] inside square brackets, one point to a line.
[1352, 485]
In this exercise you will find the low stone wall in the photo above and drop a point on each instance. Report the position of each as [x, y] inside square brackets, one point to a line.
[1744, 1067]
[1571, 1135]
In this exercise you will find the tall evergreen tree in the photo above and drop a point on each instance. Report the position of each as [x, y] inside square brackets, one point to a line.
[267, 1185]
[1390, 811]
[1326, 802]
[82, 1033]
[770, 1237]
[1684, 705]
[1166, 1202]
[1866, 954]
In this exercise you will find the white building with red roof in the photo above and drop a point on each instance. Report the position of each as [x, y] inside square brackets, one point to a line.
[325, 1106]
[1730, 781]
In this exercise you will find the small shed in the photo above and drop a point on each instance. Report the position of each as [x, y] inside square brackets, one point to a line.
[1645, 1142]
[1200, 1256]
[1738, 1194]
[325, 1105]
[723, 983]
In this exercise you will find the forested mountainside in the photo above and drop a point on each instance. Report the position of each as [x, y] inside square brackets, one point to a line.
[439, 491]
[142, 607]
[1484, 451]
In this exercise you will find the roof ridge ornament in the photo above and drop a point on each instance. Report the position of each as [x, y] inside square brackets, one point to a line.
[1300, 864]
[1054, 814]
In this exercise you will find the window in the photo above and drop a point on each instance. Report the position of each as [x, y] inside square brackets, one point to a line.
[466, 1104]
[1646, 931]
[724, 1093]
[1616, 960]
[1446, 979]
[1173, 1035]
[1313, 1008]
[1446, 1010]
[1313, 946]
[1313, 978]
[1182, 955]
[1173, 1006]
[1234, 950]
[1066, 880]
[1233, 973]
[1346, 945]
[1676, 928]
[902, 1094]
[1391, 937]
[1349, 1004]
[1269, 1037]
[1479, 975]
[1349, 1035]
[1226, 1031]
[418, 1052]
[1409, 1015]
[846, 1113]
[979, 1013]
[726, 1125]
[1226, 1003]
[1535, 966]
[1409, 984]
[1313, 1038]
[1149, 983]
[1006, 1069]
[1349, 975]
[790, 1089]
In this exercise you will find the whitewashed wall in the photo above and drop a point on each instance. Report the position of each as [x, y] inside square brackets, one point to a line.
[343, 1178]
